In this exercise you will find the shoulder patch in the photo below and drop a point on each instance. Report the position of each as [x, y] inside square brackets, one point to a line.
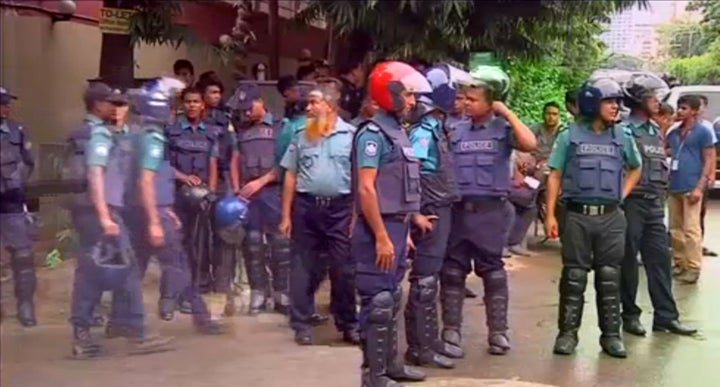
[371, 148]
[101, 150]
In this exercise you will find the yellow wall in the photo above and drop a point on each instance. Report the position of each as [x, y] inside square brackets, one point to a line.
[47, 66]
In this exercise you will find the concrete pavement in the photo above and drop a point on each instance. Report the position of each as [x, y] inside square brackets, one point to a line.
[260, 352]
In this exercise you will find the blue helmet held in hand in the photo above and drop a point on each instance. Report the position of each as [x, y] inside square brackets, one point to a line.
[230, 215]
[445, 81]
[593, 92]
[154, 101]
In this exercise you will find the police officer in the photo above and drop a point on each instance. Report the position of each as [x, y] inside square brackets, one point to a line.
[193, 149]
[481, 220]
[317, 211]
[588, 162]
[645, 214]
[16, 227]
[432, 224]
[387, 183]
[158, 221]
[254, 164]
[446, 81]
[108, 166]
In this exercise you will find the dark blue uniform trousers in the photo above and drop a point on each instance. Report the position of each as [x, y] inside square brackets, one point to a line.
[646, 233]
[322, 225]
[479, 233]
[176, 277]
[369, 279]
[127, 306]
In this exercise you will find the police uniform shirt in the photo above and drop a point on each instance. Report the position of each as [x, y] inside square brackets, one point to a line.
[373, 148]
[152, 150]
[425, 145]
[559, 155]
[98, 148]
[202, 128]
[323, 167]
[290, 127]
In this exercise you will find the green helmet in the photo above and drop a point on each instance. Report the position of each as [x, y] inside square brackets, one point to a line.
[495, 78]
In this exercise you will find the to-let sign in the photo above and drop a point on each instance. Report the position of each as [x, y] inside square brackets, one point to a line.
[115, 20]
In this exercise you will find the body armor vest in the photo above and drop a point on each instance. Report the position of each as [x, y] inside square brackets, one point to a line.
[398, 179]
[594, 168]
[257, 150]
[482, 158]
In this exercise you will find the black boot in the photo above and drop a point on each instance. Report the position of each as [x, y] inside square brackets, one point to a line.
[496, 309]
[397, 370]
[280, 256]
[254, 254]
[421, 330]
[84, 346]
[572, 289]
[166, 308]
[25, 283]
[607, 288]
[452, 296]
[375, 343]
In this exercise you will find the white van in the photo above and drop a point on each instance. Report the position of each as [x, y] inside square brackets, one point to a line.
[713, 111]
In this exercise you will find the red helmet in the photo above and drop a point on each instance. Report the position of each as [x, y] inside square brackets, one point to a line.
[389, 79]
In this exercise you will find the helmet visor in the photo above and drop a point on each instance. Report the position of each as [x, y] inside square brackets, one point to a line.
[415, 83]
[458, 76]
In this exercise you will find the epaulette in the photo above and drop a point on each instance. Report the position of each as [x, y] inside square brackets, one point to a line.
[369, 125]
[100, 129]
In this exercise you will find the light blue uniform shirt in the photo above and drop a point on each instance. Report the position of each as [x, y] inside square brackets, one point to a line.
[152, 153]
[372, 147]
[425, 144]
[101, 142]
[323, 168]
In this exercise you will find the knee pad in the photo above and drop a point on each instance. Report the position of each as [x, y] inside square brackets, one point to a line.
[573, 281]
[425, 289]
[495, 281]
[280, 244]
[607, 278]
[381, 308]
[254, 242]
[453, 278]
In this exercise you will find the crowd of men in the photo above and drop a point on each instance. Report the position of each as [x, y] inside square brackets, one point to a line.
[431, 169]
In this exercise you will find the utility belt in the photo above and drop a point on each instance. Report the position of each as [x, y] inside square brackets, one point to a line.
[479, 203]
[591, 209]
[326, 201]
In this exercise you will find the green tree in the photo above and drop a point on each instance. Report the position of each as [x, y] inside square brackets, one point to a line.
[450, 29]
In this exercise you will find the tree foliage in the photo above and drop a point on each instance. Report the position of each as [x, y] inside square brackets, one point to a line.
[699, 65]
[449, 29]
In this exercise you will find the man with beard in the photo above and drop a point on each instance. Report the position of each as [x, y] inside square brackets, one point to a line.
[254, 164]
[386, 181]
[645, 214]
[482, 148]
[588, 162]
[317, 211]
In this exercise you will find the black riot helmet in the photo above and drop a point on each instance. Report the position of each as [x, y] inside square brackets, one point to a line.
[642, 86]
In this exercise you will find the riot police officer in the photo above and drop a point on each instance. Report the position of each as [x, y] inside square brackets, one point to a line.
[193, 149]
[588, 162]
[386, 179]
[317, 211]
[446, 81]
[255, 164]
[157, 224]
[481, 220]
[432, 225]
[16, 227]
[109, 161]
[645, 214]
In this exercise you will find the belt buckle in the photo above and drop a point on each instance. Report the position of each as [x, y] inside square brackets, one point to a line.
[322, 201]
[593, 210]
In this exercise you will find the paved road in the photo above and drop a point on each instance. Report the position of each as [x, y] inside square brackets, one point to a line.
[260, 352]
